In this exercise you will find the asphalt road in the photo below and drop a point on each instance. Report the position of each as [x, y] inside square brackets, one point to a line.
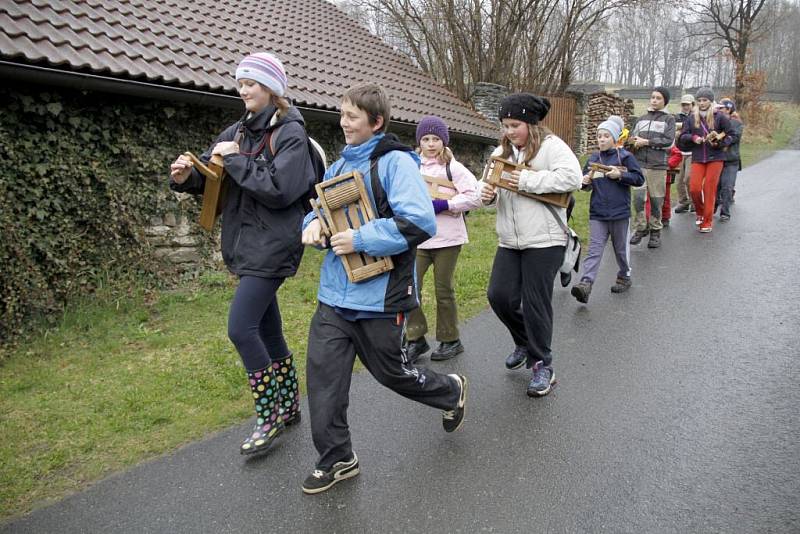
[677, 410]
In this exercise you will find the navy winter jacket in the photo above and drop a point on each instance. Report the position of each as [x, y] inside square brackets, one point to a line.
[611, 199]
[704, 152]
[263, 210]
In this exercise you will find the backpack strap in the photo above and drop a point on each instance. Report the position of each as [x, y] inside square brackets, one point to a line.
[269, 140]
[558, 219]
[378, 193]
[447, 170]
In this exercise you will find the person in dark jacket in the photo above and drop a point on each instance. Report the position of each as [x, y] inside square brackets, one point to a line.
[268, 173]
[609, 209]
[366, 318]
[682, 179]
[652, 138]
[708, 154]
[733, 161]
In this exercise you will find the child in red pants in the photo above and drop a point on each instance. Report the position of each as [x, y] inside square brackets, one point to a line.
[702, 131]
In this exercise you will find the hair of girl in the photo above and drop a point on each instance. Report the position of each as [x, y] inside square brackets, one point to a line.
[536, 134]
[709, 118]
[281, 104]
[444, 156]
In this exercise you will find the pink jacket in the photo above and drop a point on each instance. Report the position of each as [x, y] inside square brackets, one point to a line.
[450, 227]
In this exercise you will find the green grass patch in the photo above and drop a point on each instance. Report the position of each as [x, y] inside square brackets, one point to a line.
[120, 380]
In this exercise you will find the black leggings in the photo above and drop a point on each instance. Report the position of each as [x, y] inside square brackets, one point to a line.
[521, 293]
[254, 322]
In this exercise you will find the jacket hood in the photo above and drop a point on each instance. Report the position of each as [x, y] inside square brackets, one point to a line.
[375, 147]
[267, 120]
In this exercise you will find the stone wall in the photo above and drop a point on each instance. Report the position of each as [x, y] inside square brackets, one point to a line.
[486, 99]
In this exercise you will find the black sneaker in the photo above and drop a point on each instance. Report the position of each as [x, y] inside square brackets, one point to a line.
[581, 291]
[542, 380]
[655, 239]
[453, 419]
[447, 350]
[517, 358]
[638, 236]
[415, 348]
[622, 285]
[319, 480]
[682, 208]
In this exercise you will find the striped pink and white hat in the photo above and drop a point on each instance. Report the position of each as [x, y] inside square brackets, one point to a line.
[266, 69]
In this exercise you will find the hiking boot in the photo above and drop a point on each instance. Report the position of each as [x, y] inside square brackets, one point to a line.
[682, 208]
[415, 348]
[453, 419]
[289, 392]
[517, 359]
[581, 291]
[269, 423]
[638, 235]
[447, 350]
[319, 481]
[655, 239]
[542, 380]
[621, 285]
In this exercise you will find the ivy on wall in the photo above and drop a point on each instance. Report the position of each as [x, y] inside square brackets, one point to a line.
[81, 175]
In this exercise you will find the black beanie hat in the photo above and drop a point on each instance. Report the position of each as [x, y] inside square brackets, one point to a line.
[664, 92]
[524, 107]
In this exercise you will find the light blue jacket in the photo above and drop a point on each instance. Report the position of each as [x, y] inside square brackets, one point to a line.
[397, 230]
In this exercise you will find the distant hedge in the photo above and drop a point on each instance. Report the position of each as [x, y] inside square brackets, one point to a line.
[81, 174]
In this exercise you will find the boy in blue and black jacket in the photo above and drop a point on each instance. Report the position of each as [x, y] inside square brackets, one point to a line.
[367, 318]
[609, 209]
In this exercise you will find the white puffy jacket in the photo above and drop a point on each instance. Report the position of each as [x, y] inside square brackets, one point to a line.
[524, 222]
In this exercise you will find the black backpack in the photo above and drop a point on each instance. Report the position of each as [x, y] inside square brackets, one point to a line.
[318, 161]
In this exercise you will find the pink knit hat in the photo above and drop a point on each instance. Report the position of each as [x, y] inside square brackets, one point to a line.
[266, 69]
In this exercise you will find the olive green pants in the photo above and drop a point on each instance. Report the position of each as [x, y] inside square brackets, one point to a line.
[444, 269]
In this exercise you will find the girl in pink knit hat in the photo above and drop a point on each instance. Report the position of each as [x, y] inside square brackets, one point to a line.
[268, 171]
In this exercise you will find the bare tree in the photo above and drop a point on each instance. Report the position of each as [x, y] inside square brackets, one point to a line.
[522, 44]
[737, 24]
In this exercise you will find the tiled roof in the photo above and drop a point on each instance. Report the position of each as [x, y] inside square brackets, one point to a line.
[197, 43]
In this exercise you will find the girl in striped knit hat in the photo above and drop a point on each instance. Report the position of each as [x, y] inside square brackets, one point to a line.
[268, 174]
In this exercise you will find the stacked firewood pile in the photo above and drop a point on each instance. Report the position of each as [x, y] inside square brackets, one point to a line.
[601, 105]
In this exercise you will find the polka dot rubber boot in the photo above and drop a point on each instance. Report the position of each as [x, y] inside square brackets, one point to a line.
[269, 423]
[286, 375]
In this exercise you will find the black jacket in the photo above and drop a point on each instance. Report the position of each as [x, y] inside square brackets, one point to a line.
[263, 211]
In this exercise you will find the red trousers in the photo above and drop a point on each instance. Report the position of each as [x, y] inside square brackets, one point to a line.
[703, 189]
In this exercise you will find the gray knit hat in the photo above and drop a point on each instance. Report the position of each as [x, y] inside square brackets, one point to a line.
[704, 92]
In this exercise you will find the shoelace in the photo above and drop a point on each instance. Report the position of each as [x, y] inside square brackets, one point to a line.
[541, 374]
[449, 414]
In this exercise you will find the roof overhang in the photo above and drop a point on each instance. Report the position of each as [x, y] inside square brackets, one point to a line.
[82, 81]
